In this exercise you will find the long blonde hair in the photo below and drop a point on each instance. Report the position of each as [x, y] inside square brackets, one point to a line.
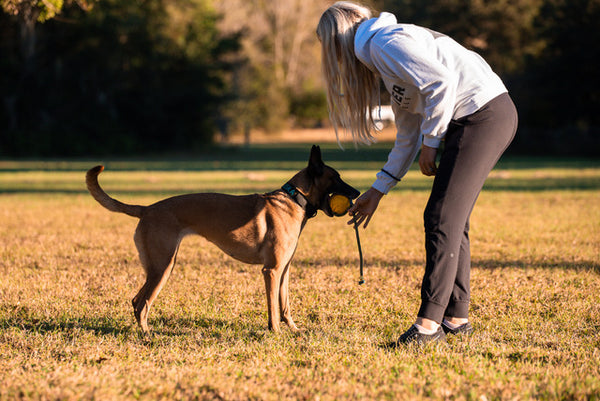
[352, 89]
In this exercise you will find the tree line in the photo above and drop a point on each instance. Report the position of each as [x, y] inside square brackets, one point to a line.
[89, 77]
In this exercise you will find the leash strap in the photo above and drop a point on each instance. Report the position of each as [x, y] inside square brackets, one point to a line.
[311, 211]
[361, 279]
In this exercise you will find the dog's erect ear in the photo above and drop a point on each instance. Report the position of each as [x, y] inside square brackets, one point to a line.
[315, 163]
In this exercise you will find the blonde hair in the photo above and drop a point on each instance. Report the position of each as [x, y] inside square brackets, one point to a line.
[352, 88]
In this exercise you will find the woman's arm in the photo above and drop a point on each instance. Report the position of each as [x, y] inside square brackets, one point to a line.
[403, 153]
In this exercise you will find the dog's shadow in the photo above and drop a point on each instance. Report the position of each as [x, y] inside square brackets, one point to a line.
[162, 326]
[98, 326]
[204, 327]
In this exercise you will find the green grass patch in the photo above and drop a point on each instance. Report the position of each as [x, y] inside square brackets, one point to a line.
[69, 270]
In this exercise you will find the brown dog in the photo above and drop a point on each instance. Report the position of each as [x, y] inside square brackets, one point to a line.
[256, 229]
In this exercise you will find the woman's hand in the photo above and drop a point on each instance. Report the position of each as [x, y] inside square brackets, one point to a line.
[364, 207]
[427, 160]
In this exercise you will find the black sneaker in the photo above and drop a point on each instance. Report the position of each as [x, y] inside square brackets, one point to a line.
[412, 336]
[466, 329]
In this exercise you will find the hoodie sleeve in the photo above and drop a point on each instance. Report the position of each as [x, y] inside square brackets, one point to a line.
[403, 153]
[404, 60]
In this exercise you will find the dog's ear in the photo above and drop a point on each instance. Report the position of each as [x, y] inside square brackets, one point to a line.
[315, 163]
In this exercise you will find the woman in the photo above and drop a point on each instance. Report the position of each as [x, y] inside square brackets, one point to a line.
[441, 92]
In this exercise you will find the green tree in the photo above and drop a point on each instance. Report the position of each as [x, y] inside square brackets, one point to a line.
[28, 13]
[121, 77]
[567, 70]
[559, 91]
[281, 58]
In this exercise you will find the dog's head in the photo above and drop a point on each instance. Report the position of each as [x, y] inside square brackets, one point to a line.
[324, 182]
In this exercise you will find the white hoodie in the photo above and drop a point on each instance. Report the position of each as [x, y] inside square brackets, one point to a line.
[432, 80]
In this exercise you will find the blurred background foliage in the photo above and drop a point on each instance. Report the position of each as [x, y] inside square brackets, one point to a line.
[94, 77]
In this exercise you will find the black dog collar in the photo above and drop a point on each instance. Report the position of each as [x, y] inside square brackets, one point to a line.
[292, 191]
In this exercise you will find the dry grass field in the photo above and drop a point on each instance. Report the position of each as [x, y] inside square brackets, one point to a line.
[68, 270]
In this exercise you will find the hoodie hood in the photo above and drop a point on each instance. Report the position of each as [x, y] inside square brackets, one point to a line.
[365, 33]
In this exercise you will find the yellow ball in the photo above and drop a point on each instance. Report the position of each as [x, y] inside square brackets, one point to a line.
[339, 204]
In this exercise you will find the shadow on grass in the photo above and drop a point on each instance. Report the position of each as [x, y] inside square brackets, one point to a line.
[541, 264]
[476, 263]
[160, 326]
[285, 157]
[282, 156]
[207, 327]
[43, 326]
[414, 347]
[408, 185]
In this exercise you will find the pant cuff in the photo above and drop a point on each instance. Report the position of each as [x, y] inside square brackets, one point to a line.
[432, 311]
[458, 309]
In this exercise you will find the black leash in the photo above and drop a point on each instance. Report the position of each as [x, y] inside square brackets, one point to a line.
[361, 279]
[311, 211]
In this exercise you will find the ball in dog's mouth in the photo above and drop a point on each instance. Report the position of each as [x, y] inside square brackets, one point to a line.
[339, 204]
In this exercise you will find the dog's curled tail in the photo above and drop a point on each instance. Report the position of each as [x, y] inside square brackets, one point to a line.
[91, 179]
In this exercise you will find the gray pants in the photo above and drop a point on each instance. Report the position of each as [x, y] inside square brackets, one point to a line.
[473, 146]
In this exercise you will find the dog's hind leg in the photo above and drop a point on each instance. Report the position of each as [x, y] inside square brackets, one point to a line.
[284, 299]
[158, 258]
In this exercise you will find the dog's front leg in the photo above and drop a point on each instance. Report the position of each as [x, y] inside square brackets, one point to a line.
[284, 299]
[272, 278]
